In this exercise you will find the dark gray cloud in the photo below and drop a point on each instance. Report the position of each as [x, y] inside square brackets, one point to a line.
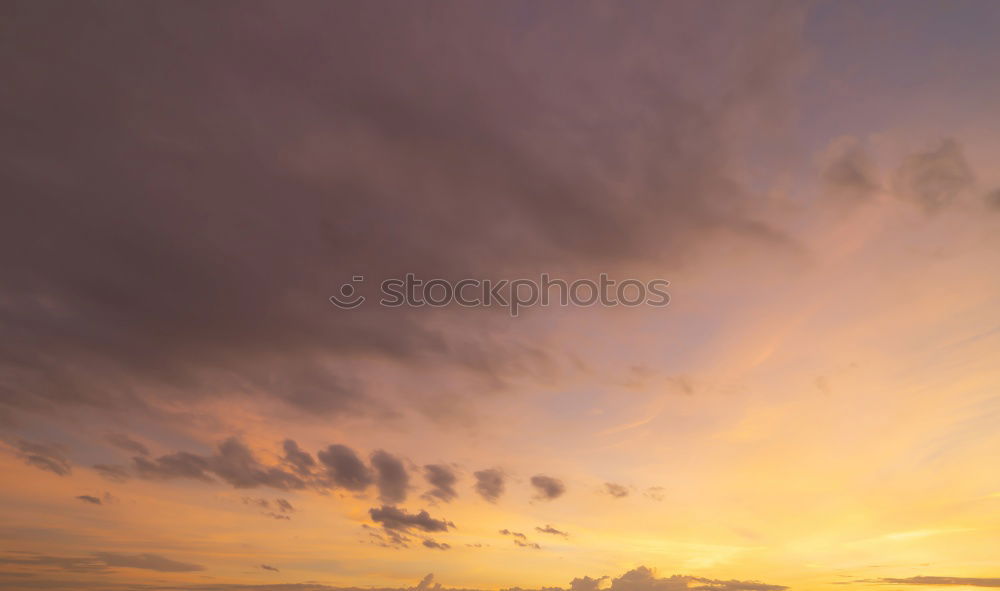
[251, 193]
[935, 178]
[940, 581]
[124, 442]
[300, 461]
[430, 543]
[391, 477]
[548, 529]
[442, 480]
[89, 499]
[180, 464]
[234, 463]
[393, 518]
[44, 457]
[547, 487]
[616, 490]
[489, 484]
[344, 468]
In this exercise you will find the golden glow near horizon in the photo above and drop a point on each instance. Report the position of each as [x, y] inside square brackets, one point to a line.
[818, 408]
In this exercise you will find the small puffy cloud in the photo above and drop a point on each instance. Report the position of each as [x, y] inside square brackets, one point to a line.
[548, 529]
[44, 457]
[525, 544]
[516, 534]
[935, 178]
[489, 484]
[547, 487]
[393, 518]
[430, 543]
[391, 477]
[126, 443]
[442, 480]
[89, 499]
[616, 490]
[344, 468]
[270, 568]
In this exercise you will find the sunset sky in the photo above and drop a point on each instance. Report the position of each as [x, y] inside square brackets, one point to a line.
[186, 184]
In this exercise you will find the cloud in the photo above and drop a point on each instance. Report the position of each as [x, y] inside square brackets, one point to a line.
[124, 442]
[586, 583]
[392, 518]
[429, 543]
[100, 562]
[547, 487]
[507, 532]
[146, 561]
[269, 567]
[236, 464]
[489, 484]
[548, 529]
[655, 493]
[442, 480]
[639, 579]
[112, 473]
[181, 464]
[344, 469]
[278, 211]
[44, 457]
[89, 499]
[849, 174]
[525, 544]
[427, 583]
[935, 178]
[280, 509]
[992, 199]
[616, 490]
[940, 581]
[300, 461]
[645, 579]
[391, 477]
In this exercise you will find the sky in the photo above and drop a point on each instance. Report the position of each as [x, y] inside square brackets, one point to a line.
[185, 186]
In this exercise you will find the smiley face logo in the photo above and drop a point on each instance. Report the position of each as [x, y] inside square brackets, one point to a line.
[348, 299]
